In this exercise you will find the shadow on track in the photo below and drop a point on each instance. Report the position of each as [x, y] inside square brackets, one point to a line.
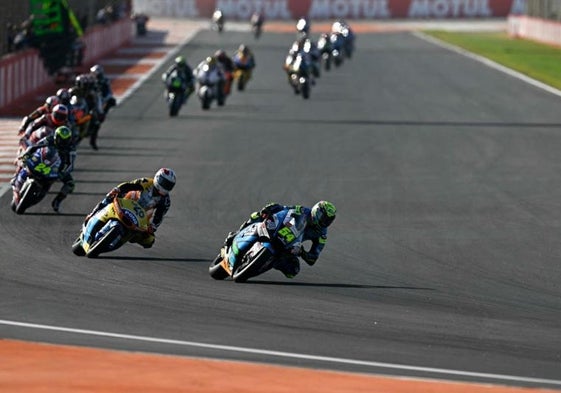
[155, 259]
[334, 285]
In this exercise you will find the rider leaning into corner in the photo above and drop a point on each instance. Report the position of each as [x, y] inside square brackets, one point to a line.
[312, 223]
[62, 140]
[184, 71]
[154, 195]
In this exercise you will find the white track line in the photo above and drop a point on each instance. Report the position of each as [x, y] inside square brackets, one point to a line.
[227, 348]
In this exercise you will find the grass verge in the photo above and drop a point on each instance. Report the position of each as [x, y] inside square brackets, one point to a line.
[539, 61]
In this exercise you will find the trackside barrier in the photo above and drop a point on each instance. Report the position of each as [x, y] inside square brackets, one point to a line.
[22, 73]
[331, 9]
[542, 30]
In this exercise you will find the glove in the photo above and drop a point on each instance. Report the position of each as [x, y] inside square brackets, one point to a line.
[307, 258]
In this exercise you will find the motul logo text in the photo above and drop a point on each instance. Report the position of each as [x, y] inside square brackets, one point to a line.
[449, 8]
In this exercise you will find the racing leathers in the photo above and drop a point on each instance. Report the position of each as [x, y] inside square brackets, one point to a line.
[150, 199]
[288, 262]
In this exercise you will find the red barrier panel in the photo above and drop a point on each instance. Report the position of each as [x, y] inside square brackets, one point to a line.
[22, 73]
[102, 40]
[332, 9]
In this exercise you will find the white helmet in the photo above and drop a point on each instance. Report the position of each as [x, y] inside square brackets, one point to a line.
[164, 180]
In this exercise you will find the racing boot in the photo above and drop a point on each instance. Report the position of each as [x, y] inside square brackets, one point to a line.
[57, 201]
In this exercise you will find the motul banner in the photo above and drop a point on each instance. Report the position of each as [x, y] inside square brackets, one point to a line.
[331, 9]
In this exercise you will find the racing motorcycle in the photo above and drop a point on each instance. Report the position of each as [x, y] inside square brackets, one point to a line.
[112, 226]
[337, 47]
[324, 47]
[242, 73]
[257, 24]
[40, 170]
[266, 242]
[210, 86]
[299, 76]
[217, 21]
[175, 95]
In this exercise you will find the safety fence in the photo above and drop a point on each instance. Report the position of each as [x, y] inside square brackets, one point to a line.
[23, 72]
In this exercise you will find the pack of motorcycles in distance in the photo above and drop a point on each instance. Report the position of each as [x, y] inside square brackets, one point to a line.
[213, 77]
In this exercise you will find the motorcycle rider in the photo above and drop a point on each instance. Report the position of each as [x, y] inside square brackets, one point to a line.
[342, 28]
[184, 71]
[217, 20]
[304, 66]
[104, 88]
[44, 109]
[208, 69]
[154, 195]
[45, 125]
[86, 86]
[227, 66]
[64, 96]
[61, 140]
[244, 60]
[257, 19]
[310, 223]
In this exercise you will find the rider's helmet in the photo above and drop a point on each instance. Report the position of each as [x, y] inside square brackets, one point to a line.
[323, 214]
[211, 61]
[85, 82]
[180, 61]
[51, 102]
[59, 115]
[303, 25]
[97, 70]
[243, 49]
[63, 96]
[164, 180]
[79, 81]
[63, 137]
[73, 91]
[220, 55]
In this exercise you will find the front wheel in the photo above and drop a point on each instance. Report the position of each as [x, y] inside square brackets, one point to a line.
[251, 267]
[174, 105]
[77, 248]
[305, 88]
[31, 194]
[216, 270]
[106, 243]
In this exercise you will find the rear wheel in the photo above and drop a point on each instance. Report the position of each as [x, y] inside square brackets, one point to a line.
[216, 270]
[30, 195]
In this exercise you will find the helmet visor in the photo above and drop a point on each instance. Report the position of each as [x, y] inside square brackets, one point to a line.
[325, 220]
[164, 184]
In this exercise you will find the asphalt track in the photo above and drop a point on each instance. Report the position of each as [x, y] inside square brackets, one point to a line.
[443, 261]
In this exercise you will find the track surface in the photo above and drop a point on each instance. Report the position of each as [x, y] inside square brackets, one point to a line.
[445, 253]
